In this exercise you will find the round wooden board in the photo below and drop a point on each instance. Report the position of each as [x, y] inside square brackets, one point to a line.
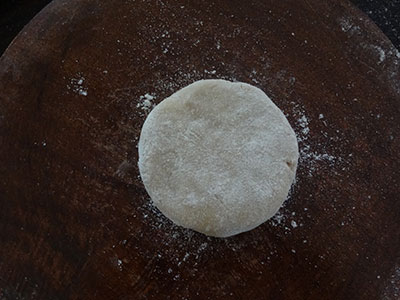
[75, 219]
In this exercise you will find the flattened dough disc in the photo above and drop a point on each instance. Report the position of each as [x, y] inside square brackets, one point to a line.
[218, 157]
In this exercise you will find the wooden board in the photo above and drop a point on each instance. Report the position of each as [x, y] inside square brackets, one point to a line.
[75, 219]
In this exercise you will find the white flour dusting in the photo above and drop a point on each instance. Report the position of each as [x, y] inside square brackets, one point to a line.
[381, 53]
[392, 285]
[176, 238]
[278, 219]
[348, 26]
[212, 72]
[388, 57]
[119, 264]
[218, 44]
[293, 223]
[146, 102]
[393, 71]
[311, 156]
[77, 86]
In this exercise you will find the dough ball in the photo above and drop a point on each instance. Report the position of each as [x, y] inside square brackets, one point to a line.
[218, 157]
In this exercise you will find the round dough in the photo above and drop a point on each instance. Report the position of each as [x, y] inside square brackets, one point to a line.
[218, 157]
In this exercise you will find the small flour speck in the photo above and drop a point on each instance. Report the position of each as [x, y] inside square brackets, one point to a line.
[381, 53]
[278, 218]
[348, 26]
[146, 102]
[77, 85]
[212, 72]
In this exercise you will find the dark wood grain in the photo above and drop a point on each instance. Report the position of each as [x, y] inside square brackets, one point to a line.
[75, 219]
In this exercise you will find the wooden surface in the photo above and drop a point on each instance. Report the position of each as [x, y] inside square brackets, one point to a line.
[75, 220]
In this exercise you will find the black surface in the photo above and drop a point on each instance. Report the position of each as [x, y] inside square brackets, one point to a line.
[386, 14]
[15, 14]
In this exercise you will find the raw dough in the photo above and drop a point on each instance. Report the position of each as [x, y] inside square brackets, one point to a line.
[218, 157]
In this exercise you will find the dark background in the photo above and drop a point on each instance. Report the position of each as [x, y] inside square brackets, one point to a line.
[15, 14]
